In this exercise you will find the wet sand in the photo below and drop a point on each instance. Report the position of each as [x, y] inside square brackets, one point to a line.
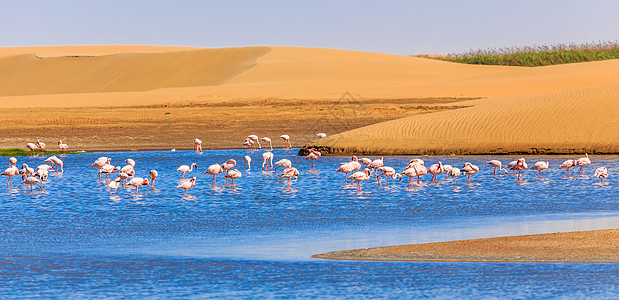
[599, 246]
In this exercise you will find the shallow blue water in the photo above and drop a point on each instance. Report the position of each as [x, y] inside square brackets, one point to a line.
[74, 240]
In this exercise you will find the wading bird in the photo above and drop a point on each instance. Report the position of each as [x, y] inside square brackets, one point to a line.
[138, 182]
[601, 173]
[286, 139]
[232, 175]
[187, 184]
[290, 173]
[496, 164]
[469, 169]
[185, 168]
[540, 166]
[214, 169]
[361, 176]
[313, 156]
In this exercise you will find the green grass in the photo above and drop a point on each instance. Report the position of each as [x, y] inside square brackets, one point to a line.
[535, 56]
[21, 152]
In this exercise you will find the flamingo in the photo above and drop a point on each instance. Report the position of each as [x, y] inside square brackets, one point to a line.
[365, 161]
[130, 162]
[361, 176]
[266, 156]
[185, 168]
[447, 169]
[601, 173]
[42, 174]
[496, 164]
[286, 139]
[247, 160]
[129, 170]
[227, 166]
[31, 147]
[55, 161]
[321, 135]
[113, 185]
[26, 171]
[33, 180]
[249, 144]
[10, 172]
[284, 163]
[214, 169]
[266, 141]
[346, 168]
[454, 173]
[520, 166]
[567, 165]
[187, 184]
[107, 170]
[540, 166]
[415, 169]
[63, 147]
[290, 173]
[12, 161]
[511, 165]
[583, 161]
[469, 169]
[435, 169]
[123, 177]
[377, 163]
[388, 172]
[197, 145]
[138, 182]
[413, 161]
[100, 162]
[356, 164]
[153, 175]
[313, 155]
[42, 146]
[254, 138]
[233, 174]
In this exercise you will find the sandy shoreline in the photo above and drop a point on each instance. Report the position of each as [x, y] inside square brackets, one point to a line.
[597, 246]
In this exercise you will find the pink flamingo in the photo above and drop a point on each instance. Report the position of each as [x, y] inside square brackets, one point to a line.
[583, 161]
[55, 161]
[601, 173]
[12, 161]
[33, 180]
[313, 155]
[249, 144]
[447, 169]
[31, 147]
[284, 163]
[113, 185]
[286, 139]
[435, 169]
[107, 170]
[346, 168]
[247, 160]
[227, 166]
[377, 163]
[567, 165]
[185, 168]
[540, 166]
[469, 169]
[454, 173]
[187, 184]
[63, 147]
[10, 172]
[361, 176]
[267, 141]
[356, 164]
[496, 164]
[42, 146]
[138, 182]
[153, 175]
[42, 174]
[254, 138]
[266, 157]
[388, 172]
[100, 162]
[365, 161]
[415, 169]
[511, 165]
[214, 169]
[520, 166]
[26, 171]
[417, 161]
[290, 173]
[232, 175]
[321, 135]
[197, 145]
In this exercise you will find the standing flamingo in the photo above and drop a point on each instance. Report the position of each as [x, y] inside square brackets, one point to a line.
[321, 135]
[113, 185]
[31, 147]
[415, 169]
[361, 176]
[447, 169]
[583, 161]
[10, 172]
[187, 184]
[247, 160]
[227, 166]
[26, 171]
[232, 175]
[138, 182]
[286, 139]
[63, 147]
[267, 141]
[153, 175]
[496, 164]
[214, 169]
[567, 165]
[520, 166]
[100, 162]
[356, 164]
[256, 140]
[185, 168]
[540, 166]
[346, 168]
[249, 144]
[313, 155]
[454, 173]
[107, 170]
[33, 180]
[377, 163]
[601, 173]
[284, 163]
[469, 169]
[435, 169]
[266, 157]
[388, 172]
[511, 165]
[42, 146]
[197, 145]
[290, 173]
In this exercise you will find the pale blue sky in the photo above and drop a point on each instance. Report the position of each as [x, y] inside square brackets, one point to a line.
[398, 27]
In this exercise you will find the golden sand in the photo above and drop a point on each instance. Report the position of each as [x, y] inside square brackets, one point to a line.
[600, 246]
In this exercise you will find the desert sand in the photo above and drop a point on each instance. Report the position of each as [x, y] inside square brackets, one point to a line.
[600, 246]
[158, 97]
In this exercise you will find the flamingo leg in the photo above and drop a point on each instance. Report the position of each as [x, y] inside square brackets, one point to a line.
[469, 181]
[359, 186]
[289, 181]
[538, 174]
[387, 181]
[418, 182]
[233, 182]
[213, 180]
[410, 182]
[136, 190]
[518, 175]
[455, 179]
[313, 163]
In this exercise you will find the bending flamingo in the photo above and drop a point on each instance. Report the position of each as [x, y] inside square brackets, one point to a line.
[33, 180]
[31, 147]
[100, 162]
[113, 185]
[447, 169]
[256, 140]
[267, 141]
[286, 139]
[153, 175]
[540, 166]
[247, 160]
[346, 168]
[377, 163]
[388, 172]
[284, 163]
[266, 157]
[55, 161]
[496, 164]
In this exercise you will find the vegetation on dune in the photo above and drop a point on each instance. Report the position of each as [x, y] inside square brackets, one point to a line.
[535, 56]
[21, 152]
